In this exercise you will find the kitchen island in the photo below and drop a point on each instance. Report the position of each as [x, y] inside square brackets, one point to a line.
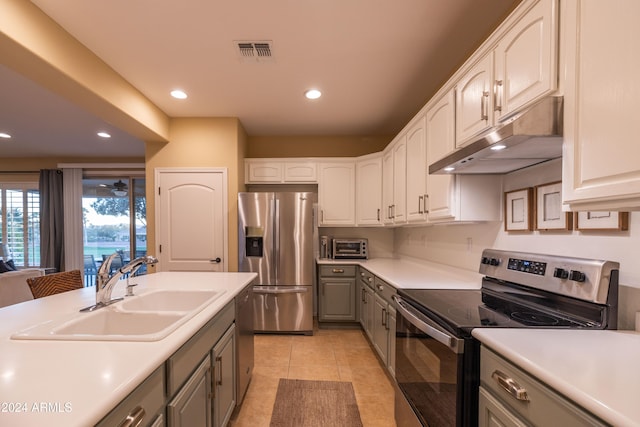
[76, 383]
[596, 370]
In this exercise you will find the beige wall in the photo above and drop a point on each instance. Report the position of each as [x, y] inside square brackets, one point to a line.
[200, 142]
[315, 146]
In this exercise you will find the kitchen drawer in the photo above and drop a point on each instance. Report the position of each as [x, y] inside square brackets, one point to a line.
[366, 277]
[182, 363]
[385, 290]
[543, 406]
[337, 271]
[147, 399]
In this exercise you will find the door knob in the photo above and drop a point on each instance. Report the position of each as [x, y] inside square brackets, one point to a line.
[217, 260]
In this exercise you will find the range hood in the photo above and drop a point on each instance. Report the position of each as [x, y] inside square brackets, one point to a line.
[530, 137]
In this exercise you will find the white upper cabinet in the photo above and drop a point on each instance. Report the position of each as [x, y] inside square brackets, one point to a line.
[336, 193]
[440, 141]
[474, 98]
[456, 197]
[387, 185]
[525, 59]
[399, 209]
[394, 181]
[416, 154]
[600, 166]
[369, 190]
[517, 66]
[275, 171]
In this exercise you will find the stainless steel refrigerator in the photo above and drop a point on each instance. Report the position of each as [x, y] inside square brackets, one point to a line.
[275, 240]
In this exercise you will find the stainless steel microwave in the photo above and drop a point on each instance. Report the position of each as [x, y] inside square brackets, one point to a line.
[350, 249]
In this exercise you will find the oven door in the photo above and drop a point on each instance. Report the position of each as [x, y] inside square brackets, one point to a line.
[430, 369]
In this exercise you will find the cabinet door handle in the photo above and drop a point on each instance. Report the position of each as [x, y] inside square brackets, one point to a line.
[426, 197]
[378, 214]
[213, 381]
[219, 361]
[134, 418]
[498, 96]
[387, 321]
[322, 216]
[384, 317]
[484, 111]
[420, 211]
[509, 384]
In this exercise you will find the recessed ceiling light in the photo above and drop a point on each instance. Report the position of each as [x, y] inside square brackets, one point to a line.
[104, 135]
[4, 135]
[498, 147]
[179, 94]
[313, 94]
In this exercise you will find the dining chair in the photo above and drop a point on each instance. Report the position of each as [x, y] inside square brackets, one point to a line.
[55, 283]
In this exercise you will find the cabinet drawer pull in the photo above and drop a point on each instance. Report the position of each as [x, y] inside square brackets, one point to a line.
[338, 270]
[135, 417]
[510, 386]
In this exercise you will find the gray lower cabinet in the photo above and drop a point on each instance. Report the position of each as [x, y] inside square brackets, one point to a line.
[224, 373]
[143, 407]
[196, 385]
[366, 303]
[192, 405]
[511, 397]
[337, 294]
[384, 327]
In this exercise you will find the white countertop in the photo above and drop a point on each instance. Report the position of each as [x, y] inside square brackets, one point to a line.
[81, 381]
[409, 274]
[598, 370]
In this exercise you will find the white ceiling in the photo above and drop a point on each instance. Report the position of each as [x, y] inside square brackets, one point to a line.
[376, 61]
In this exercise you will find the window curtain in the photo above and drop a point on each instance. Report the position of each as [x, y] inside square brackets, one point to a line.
[51, 219]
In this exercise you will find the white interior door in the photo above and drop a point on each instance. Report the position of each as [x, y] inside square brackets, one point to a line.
[190, 221]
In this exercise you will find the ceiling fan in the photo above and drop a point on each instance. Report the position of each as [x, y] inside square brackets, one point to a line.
[119, 188]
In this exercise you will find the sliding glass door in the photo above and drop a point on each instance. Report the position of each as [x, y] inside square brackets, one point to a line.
[114, 221]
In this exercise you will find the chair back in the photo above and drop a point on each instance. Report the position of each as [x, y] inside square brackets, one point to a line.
[55, 283]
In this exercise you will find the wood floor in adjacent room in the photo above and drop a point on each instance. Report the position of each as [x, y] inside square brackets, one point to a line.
[327, 355]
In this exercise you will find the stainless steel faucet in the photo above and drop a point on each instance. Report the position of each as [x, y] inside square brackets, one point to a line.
[105, 281]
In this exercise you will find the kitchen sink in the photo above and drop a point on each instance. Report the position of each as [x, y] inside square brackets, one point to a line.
[169, 301]
[146, 317]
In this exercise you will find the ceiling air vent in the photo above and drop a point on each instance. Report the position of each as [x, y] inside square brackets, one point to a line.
[254, 51]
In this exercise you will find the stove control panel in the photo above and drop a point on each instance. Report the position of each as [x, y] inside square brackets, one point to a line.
[526, 266]
[586, 279]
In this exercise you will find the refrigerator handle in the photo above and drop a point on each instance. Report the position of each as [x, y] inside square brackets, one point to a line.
[276, 238]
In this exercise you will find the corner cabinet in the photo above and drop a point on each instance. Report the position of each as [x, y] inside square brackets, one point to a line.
[337, 294]
[336, 193]
[600, 168]
[369, 190]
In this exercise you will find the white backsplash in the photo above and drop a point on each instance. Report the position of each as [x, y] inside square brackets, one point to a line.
[462, 245]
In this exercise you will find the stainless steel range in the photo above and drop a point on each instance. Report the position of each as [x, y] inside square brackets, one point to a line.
[437, 359]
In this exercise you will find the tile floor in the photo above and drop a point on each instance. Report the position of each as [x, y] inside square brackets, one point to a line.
[330, 355]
